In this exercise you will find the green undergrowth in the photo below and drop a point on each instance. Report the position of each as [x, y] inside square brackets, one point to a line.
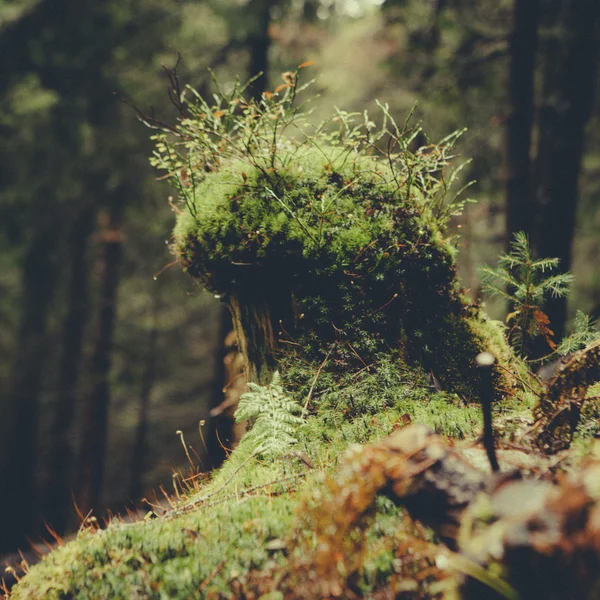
[325, 233]
[241, 524]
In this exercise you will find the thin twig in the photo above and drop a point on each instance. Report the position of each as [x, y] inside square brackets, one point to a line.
[213, 574]
[538, 394]
[204, 498]
[316, 377]
[241, 496]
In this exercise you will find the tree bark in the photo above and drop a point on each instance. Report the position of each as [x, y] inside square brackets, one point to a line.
[20, 410]
[58, 488]
[138, 462]
[570, 76]
[520, 207]
[259, 42]
[95, 422]
[221, 424]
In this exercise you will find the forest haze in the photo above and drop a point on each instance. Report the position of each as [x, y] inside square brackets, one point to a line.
[106, 347]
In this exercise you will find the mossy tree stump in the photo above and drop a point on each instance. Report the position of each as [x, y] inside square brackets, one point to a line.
[330, 251]
[330, 243]
[335, 267]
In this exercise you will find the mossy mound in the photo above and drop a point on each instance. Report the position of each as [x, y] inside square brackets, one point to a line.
[332, 249]
[238, 535]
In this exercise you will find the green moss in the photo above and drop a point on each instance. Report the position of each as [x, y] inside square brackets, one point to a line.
[164, 559]
[333, 251]
[225, 536]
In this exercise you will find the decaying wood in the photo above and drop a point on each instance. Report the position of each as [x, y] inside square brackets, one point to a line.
[559, 410]
[542, 535]
[426, 475]
[509, 536]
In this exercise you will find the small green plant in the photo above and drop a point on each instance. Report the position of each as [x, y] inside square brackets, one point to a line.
[584, 332]
[272, 134]
[274, 418]
[526, 283]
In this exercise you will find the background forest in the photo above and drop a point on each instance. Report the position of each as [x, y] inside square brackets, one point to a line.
[104, 351]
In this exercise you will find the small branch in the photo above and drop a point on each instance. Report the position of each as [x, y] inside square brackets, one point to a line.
[197, 501]
[241, 496]
[314, 382]
[522, 381]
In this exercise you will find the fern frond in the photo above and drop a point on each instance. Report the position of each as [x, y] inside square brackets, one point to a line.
[519, 250]
[274, 417]
[545, 264]
[526, 284]
[499, 275]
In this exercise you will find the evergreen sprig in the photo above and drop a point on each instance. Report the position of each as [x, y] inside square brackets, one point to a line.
[274, 418]
[584, 332]
[526, 283]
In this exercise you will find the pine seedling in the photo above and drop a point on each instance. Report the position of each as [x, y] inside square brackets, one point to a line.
[526, 283]
[584, 332]
[274, 418]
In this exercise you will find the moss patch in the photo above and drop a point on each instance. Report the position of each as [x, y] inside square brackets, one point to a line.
[332, 250]
[243, 531]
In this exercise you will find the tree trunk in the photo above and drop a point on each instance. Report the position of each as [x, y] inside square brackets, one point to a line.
[569, 94]
[523, 46]
[138, 462]
[20, 410]
[58, 488]
[259, 42]
[434, 34]
[310, 10]
[259, 309]
[95, 423]
[221, 424]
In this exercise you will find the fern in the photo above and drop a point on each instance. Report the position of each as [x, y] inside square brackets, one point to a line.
[526, 283]
[274, 418]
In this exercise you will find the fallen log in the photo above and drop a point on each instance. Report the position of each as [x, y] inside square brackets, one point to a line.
[505, 536]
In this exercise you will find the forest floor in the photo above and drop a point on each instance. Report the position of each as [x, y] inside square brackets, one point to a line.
[302, 524]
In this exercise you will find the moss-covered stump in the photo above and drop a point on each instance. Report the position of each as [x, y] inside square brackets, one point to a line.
[337, 271]
[331, 251]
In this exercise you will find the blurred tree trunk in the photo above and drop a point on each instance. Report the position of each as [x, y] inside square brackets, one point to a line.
[520, 207]
[434, 34]
[20, 410]
[138, 457]
[570, 76]
[259, 42]
[309, 10]
[58, 487]
[95, 421]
